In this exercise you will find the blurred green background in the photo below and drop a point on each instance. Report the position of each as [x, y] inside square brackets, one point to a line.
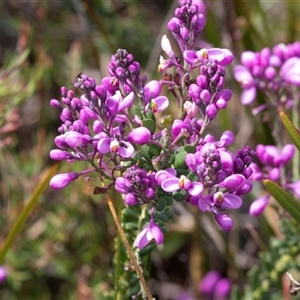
[65, 249]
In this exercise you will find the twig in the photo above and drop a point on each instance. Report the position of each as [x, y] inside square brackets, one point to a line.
[127, 246]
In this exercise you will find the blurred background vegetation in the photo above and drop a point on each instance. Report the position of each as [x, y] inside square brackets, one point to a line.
[65, 249]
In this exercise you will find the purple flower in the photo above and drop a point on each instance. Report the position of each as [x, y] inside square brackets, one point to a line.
[159, 104]
[122, 148]
[270, 155]
[290, 71]
[244, 77]
[61, 181]
[149, 233]
[258, 206]
[220, 200]
[173, 184]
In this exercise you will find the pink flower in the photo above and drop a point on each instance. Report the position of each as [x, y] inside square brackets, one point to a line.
[122, 148]
[149, 233]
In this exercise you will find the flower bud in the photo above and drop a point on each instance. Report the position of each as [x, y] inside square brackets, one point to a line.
[61, 181]
[140, 135]
[211, 111]
[130, 200]
[55, 103]
[57, 154]
[224, 221]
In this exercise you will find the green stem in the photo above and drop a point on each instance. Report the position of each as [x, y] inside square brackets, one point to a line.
[26, 211]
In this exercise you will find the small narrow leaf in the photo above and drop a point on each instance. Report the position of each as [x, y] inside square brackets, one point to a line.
[286, 200]
[26, 211]
[291, 129]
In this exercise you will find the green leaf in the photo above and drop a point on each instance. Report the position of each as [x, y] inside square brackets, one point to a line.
[169, 200]
[161, 204]
[285, 199]
[291, 129]
[189, 148]
[150, 124]
[137, 111]
[150, 115]
[179, 197]
[26, 211]
[154, 150]
[179, 162]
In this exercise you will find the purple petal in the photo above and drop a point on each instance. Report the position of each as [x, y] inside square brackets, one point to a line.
[103, 145]
[126, 151]
[228, 57]
[243, 76]
[170, 184]
[151, 90]
[156, 232]
[248, 59]
[216, 54]
[233, 182]
[196, 189]
[231, 201]
[126, 102]
[142, 240]
[112, 106]
[190, 160]
[190, 56]
[161, 175]
[295, 187]
[227, 162]
[274, 174]
[202, 205]
[258, 206]
[226, 139]
[248, 95]
[287, 153]
[160, 103]
[245, 189]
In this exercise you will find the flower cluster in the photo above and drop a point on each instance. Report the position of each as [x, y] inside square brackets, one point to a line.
[215, 177]
[113, 126]
[273, 71]
[273, 166]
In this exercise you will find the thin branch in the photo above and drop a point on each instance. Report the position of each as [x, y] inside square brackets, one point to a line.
[128, 247]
